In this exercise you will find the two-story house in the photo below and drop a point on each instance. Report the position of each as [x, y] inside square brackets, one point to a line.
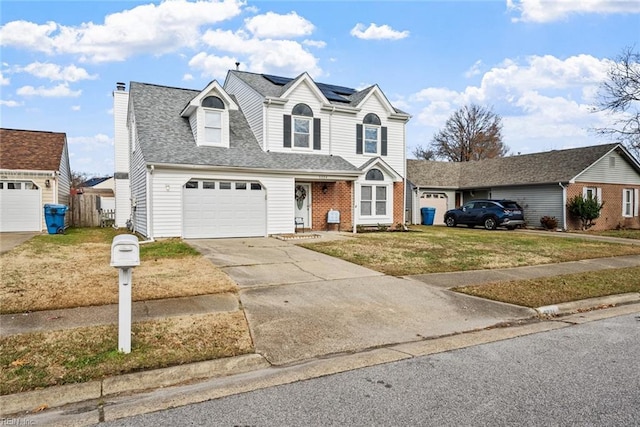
[257, 156]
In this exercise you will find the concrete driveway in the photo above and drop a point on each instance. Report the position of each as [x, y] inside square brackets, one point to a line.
[9, 241]
[301, 304]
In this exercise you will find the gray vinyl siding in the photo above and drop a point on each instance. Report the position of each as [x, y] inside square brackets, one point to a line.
[536, 201]
[252, 105]
[138, 179]
[64, 180]
[608, 171]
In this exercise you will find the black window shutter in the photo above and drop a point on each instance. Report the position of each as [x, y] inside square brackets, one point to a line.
[383, 141]
[316, 134]
[287, 131]
[358, 139]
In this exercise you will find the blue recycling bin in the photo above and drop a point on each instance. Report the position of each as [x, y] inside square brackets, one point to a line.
[428, 215]
[54, 217]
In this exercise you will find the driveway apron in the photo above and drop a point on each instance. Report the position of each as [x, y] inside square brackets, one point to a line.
[301, 304]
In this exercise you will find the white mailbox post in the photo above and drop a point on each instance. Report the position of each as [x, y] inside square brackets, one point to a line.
[125, 254]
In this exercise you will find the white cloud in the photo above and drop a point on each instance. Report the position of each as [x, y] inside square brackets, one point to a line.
[553, 10]
[90, 143]
[273, 25]
[60, 91]
[375, 32]
[264, 55]
[4, 81]
[55, 72]
[314, 43]
[10, 103]
[474, 70]
[212, 66]
[187, 77]
[75, 108]
[545, 102]
[158, 29]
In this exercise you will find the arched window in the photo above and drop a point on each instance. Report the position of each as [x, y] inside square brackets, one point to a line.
[374, 175]
[302, 125]
[213, 102]
[371, 119]
[302, 110]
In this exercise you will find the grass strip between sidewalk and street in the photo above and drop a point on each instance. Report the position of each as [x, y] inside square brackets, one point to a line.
[555, 290]
[43, 359]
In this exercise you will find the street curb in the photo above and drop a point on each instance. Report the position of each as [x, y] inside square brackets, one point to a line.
[588, 304]
[57, 396]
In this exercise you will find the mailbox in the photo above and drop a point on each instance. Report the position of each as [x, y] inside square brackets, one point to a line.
[125, 251]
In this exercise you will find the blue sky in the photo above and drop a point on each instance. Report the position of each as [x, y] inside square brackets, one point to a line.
[536, 63]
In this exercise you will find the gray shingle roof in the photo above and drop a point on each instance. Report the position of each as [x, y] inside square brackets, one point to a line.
[267, 88]
[537, 168]
[166, 138]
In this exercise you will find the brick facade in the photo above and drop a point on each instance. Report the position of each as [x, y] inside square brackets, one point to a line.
[339, 196]
[611, 214]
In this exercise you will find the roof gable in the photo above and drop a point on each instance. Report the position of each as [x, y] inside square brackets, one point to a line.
[214, 89]
[31, 150]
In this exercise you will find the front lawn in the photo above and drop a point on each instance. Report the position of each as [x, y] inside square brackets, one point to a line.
[625, 234]
[555, 290]
[439, 249]
[72, 270]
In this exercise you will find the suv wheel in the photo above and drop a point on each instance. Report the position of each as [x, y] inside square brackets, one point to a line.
[450, 221]
[490, 223]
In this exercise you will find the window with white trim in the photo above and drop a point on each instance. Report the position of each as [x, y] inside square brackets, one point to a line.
[592, 193]
[212, 120]
[629, 202]
[372, 126]
[302, 116]
[374, 198]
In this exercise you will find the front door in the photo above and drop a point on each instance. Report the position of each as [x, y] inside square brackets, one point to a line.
[302, 202]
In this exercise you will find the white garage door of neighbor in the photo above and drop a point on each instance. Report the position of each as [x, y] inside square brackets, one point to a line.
[224, 209]
[20, 206]
[435, 200]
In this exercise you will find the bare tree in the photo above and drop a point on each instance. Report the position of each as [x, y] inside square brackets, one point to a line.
[422, 153]
[471, 133]
[620, 95]
[78, 178]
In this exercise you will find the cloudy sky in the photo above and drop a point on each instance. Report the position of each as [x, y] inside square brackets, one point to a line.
[536, 63]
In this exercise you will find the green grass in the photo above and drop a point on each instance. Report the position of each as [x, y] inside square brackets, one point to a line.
[441, 249]
[625, 234]
[170, 248]
[555, 290]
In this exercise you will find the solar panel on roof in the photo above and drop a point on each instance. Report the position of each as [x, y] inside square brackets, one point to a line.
[277, 80]
[342, 90]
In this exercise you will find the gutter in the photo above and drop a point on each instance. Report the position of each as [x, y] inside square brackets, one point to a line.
[324, 174]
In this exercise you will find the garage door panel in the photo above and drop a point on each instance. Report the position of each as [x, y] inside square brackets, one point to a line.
[20, 208]
[231, 211]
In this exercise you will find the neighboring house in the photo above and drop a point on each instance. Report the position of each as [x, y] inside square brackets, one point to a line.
[34, 171]
[257, 156]
[104, 189]
[541, 182]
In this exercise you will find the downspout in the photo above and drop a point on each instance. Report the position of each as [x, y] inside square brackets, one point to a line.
[265, 121]
[564, 206]
[353, 206]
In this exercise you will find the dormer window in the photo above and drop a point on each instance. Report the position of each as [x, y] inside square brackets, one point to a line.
[301, 129]
[371, 136]
[212, 120]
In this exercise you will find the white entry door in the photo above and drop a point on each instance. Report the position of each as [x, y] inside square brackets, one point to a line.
[302, 202]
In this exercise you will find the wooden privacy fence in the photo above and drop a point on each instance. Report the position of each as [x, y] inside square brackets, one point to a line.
[85, 211]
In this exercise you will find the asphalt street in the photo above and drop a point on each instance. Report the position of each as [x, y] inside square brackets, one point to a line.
[583, 375]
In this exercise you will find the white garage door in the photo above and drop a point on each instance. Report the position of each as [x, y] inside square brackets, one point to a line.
[20, 206]
[434, 200]
[224, 209]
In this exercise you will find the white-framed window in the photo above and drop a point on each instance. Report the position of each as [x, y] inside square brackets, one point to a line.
[213, 120]
[372, 127]
[630, 202]
[374, 198]
[302, 126]
[592, 193]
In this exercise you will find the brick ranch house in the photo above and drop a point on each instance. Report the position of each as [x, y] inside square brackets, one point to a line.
[541, 183]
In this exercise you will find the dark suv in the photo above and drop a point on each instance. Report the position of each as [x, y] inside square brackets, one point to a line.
[488, 213]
